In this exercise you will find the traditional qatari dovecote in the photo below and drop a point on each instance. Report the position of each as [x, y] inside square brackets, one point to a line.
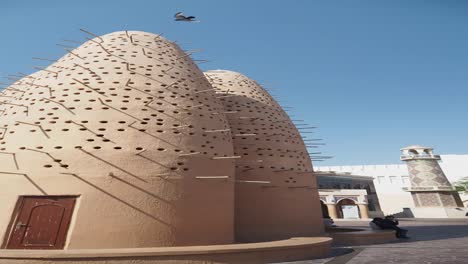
[123, 125]
[276, 193]
[124, 143]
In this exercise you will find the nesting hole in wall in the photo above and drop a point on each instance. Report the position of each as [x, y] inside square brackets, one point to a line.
[75, 95]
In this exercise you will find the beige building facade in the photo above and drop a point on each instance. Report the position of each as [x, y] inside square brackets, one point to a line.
[392, 181]
[346, 196]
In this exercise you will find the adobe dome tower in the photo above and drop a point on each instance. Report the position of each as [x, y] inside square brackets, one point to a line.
[276, 192]
[432, 193]
[124, 141]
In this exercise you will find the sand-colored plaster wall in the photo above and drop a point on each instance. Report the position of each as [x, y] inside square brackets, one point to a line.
[121, 121]
[276, 191]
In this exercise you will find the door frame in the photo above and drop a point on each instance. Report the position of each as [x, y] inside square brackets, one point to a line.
[19, 206]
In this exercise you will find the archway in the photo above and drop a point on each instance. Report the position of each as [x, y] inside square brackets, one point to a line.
[348, 209]
[325, 213]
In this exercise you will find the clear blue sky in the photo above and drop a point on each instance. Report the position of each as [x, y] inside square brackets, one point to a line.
[373, 75]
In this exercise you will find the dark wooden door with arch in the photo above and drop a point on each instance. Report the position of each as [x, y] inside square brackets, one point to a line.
[40, 222]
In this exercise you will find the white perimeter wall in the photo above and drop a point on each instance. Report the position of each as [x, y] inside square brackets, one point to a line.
[389, 179]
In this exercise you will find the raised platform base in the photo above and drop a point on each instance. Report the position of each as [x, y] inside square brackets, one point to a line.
[356, 236]
[293, 249]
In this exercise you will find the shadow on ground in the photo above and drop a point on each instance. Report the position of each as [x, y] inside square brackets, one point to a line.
[435, 242]
[424, 230]
[340, 251]
[436, 232]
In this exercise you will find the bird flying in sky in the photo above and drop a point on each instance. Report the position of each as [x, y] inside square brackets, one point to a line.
[179, 16]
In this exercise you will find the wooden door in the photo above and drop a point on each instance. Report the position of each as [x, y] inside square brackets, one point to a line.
[40, 222]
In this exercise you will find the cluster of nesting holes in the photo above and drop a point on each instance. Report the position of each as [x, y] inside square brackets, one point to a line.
[85, 80]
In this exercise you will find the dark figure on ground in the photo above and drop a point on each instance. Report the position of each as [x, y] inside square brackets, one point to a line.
[390, 223]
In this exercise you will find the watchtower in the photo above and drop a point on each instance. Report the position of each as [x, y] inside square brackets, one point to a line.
[432, 193]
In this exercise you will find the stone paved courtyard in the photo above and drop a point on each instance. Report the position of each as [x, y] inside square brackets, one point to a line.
[432, 241]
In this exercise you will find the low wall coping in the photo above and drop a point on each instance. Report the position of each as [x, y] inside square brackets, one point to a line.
[296, 242]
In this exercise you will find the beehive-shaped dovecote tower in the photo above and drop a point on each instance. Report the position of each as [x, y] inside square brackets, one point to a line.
[276, 194]
[124, 141]
[432, 193]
